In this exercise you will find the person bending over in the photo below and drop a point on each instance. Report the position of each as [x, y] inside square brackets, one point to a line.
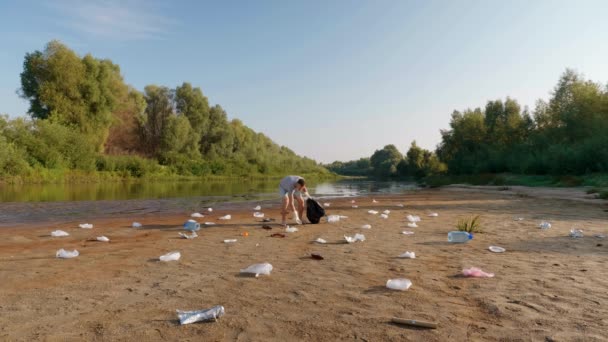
[292, 188]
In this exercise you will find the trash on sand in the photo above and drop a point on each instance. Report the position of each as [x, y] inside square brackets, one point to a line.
[544, 225]
[192, 225]
[226, 217]
[136, 225]
[407, 232]
[326, 204]
[209, 223]
[187, 317]
[245, 234]
[599, 236]
[85, 226]
[316, 256]
[189, 237]
[400, 205]
[342, 217]
[475, 272]
[413, 218]
[352, 239]
[408, 255]
[433, 215]
[459, 237]
[197, 215]
[414, 323]
[279, 235]
[59, 233]
[258, 208]
[258, 215]
[319, 240]
[518, 219]
[210, 209]
[172, 256]
[384, 216]
[355, 206]
[386, 212]
[63, 254]
[230, 241]
[412, 225]
[333, 218]
[366, 226]
[103, 239]
[400, 284]
[374, 201]
[373, 212]
[267, 227]
[267, 219]
[291, 229]
[496, 249]
[353, 201]
[257, 269]
[576, 233]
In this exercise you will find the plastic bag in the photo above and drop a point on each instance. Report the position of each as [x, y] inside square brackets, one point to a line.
[544, 225]
[475, 272]
[333, 218]
[173, 256]
[374, 201]
[209, 223]
[226, 217]
[353, 239]
[366, 226]
[258, 215]
[373, 212]
[412, 225]
[189, 237]
[210, 210]
[326, 205]
[355, 206]
[400, 205]
[187, 317]
[59, 233]
[400, 284]
[386, 212]
[63, 254]
[258, 269]
[384, 216]
[433, 215]
[413, 218]
[258, 208]
[576, 233]
[85, 226]
[103, 239]
[230, 241]
[319, 240]
[197, 215]
[408, 255]
[407, 232]
[136, 225]
[291, 229]
[496, 249]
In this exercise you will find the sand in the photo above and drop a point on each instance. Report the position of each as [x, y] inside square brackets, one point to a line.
[548, 287]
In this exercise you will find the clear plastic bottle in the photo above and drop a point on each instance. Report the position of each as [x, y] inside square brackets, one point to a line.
[459, 237]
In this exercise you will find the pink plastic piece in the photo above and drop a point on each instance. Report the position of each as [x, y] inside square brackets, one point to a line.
[476, 273]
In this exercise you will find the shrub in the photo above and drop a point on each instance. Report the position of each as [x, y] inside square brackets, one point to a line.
[469, 225]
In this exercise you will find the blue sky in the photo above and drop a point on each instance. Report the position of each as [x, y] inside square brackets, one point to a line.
[333, 80]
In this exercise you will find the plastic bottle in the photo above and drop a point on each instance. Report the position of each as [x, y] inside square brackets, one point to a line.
[400, 284]
[187, 317]
[192, 225]
[459, 237]
[333, 218]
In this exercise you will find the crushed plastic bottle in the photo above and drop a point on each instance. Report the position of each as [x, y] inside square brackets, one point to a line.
[333, 218]
[326, 205]
[258, 208]
[544, 225]
[226, 217]
[459, 237]
[475, 272]
[258, 269]
[373, 212]
[197, 215]
[433, 215]
[188, 237]
[291, 229]
[136, 225]
[400, 284]
[192, 225]
[386, 212]
[412, 225]
[353, 239]
[408, 255]
[209, 223]
[59, 233]
[172, 256]
[321, 241]
[576, 233]
[366, 226]
[413, 218]
[103, 239]
[188, 317]
[258, 215]
[85, 226]
[63, 254]
[407, 232]
[383, 216]
[230, 241]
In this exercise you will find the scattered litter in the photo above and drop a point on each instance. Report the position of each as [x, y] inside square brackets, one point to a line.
[384, 216]
[319, 240]
[352, 239]
[103, 239]
[172, 256]
[326, 205]
[258, 269]
[258, 215]
[278, 235]
[408, 255]
[258, 208]
[407, 232]
[400, 284]
[576, 233]
[414, 322]
[210, 210]
[599, 236]
[459, 237]
[412, 225]
[267, 227]
[342, 217]
[518, 219]
[291, 229]
[374, 201]
[136, 225]
[355, 206]
[230, 241]
[226, 217]
[63, 254]
[373, 212]
[544, 225]
[366, 226]
[187, 317]
[386, 212]
[333, 218]
[197, 215]
[400, 205]
[209, 223]
[85, 226]
[245, 234]
[496, 249]
[433, 215]
[353, 201]
[475, 272]
[268, 219]
[316, 256]
[189, 237]
[59, 233]
[192, 225]
[412, 218]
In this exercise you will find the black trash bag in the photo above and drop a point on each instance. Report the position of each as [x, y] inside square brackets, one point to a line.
[314, 211]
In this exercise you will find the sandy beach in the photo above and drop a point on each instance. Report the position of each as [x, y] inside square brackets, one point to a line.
[547, 287]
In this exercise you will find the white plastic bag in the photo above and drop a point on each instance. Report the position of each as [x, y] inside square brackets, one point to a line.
[386, 212]
[189, 237]
[374, 201]
[230, 241]
[408, 255]
[187, 317]
[353, 239]
[544, 225]
[373, 212]
[59, 233]
[413, 218]
[63, 254]
[210, 210]
[209, 223]
[321, 241]
[85, 226]
[258, 215]
[383, 216]
[366, 226]
[197, 215]
[136, 225]
[258, 269]
[400, 205]
[258, 208]
[173, 256]
[333, 218]
[433, 215]
[576, 233]
[326, 205]
[226, 217]
[412, 225]
[103, 239]
[291, 229]
[400, 284]
[407, 232]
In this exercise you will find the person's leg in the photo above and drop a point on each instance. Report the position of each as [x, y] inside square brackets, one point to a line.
[300, 202]
[284, 205]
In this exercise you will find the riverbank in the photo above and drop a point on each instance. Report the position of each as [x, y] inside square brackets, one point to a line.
[547, 285]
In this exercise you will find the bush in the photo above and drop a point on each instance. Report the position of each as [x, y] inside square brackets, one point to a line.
[470, 225]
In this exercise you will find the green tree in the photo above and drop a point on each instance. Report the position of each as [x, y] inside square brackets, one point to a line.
[384, 162]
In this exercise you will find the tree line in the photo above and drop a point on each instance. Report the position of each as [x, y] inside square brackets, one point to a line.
[566, 135]
[83, 116]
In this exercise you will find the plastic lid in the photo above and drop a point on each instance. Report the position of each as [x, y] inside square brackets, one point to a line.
[470, 236]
